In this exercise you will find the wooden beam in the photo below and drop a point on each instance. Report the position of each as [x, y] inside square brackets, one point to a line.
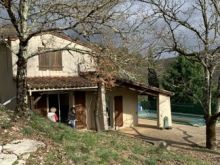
[59, 107]
[36, 100]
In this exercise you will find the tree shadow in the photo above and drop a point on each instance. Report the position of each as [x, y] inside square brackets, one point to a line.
[155, 140]
[187, 145]
[187, 138]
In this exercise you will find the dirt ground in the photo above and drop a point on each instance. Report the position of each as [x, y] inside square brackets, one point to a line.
[177, 136]
[181, 138]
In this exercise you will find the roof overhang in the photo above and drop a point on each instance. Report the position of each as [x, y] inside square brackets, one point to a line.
[61, 90]
[142, 89]
[38, 84]
[64, 84]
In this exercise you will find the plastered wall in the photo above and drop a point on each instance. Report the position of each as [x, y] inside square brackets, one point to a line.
[130, 101]
[70, 61]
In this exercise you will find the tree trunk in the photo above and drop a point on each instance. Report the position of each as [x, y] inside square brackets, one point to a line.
[211, 134]
[21, 87]
[210, 120]
[21, 81]
[207, 92]
[218, 97]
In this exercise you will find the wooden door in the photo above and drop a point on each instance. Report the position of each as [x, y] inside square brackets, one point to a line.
[118, 111]
[80, 103]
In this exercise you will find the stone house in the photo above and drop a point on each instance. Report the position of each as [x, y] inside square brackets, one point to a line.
[54, 80]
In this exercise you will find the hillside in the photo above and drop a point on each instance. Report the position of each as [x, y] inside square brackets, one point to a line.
[67, 146]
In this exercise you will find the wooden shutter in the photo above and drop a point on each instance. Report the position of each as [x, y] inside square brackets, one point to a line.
[56, 60]
[50, 60]
[43, 61]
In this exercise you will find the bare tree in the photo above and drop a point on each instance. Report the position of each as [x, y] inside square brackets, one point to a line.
[31, 18]
[191, 29]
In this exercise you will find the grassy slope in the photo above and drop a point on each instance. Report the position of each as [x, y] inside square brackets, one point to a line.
[68, 146]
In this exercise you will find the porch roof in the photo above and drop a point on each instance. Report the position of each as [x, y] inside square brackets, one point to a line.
[58, 83]
[143, 89]
[39, 83]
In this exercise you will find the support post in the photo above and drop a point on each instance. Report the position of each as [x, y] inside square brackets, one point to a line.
[105, 114]
[31, 98]
[164, 119]
[218, 105]
[48, 106]
[59, 107]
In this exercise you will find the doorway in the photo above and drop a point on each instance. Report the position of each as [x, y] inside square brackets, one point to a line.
[118, 111]
[61, 103]
[64, 107]
[80, 104]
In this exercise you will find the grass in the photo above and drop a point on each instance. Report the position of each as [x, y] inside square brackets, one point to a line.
[68, 146]
[5, 118]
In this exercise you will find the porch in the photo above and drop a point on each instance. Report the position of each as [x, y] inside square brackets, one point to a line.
[61, 93]
[119, 103]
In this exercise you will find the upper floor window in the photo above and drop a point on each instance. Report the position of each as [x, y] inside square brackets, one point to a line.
[50, 61]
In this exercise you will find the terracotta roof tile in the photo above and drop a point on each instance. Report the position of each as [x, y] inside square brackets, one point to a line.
[58, 82]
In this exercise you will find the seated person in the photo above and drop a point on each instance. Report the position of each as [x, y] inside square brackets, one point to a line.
[52, 114]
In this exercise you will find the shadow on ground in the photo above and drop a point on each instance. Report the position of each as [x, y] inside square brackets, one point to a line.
[186, 144]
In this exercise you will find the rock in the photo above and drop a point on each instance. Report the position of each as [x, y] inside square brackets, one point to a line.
[163, 145]
[15, 128]
[21, 162]
[7, 159]
[25, 156]
[20, 147]
[168, 148]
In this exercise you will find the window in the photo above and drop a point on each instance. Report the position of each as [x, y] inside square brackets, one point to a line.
[50, 61]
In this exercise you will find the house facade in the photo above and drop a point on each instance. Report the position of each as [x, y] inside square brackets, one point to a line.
[54, 80]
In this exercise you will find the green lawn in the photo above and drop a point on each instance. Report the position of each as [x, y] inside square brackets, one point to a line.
[68, 146]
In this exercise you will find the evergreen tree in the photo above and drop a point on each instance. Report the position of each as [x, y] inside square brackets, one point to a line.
[185, 79]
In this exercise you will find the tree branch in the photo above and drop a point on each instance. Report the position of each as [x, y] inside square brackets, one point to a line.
[8, 7]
